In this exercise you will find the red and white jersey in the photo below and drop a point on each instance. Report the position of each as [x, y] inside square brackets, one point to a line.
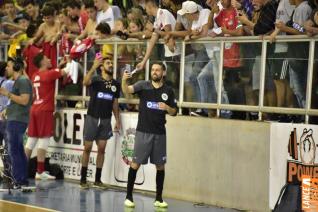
[44, 89]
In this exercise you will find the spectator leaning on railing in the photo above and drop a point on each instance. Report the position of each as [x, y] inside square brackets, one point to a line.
[49, 31]
[91, 23]
[6, 21]
[298, 62]
[164, 22]
[199, 27]
[277, 62]
[265, 24]
[105, 13]
[32, 8]
[75, 12]
[193, 58]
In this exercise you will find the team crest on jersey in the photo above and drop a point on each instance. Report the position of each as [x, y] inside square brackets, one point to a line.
[113, 88]
[164, 97]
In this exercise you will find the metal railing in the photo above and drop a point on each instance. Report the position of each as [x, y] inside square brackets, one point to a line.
[218, 106]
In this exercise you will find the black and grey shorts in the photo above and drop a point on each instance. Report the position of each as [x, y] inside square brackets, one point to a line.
[97, 129]
[278, 66]
[150, 145]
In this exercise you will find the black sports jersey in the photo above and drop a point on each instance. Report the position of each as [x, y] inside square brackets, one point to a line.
[150, 118]
[102, 95]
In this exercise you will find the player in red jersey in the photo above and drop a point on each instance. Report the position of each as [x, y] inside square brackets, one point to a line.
[40, 127]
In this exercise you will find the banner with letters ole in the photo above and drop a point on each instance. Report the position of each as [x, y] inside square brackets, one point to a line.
[66, 148]
[294, 159]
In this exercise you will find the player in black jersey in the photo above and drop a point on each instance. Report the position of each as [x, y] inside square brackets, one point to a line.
[104, 93]
[156, 100]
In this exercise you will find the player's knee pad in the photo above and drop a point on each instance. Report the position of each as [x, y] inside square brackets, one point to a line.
[44, 143]
[31, 143]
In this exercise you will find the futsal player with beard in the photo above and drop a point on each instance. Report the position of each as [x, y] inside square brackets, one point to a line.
[104, 93]
[156, 100]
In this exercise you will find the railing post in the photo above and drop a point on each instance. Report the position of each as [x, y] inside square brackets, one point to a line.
[220, 80]
[262, 79]
[56, 81]
[6, 52]
[147, 64]
[115, 59]
[309, 78]
[84, 91]
[181, 85]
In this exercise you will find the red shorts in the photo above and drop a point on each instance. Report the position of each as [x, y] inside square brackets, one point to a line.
[40, 124]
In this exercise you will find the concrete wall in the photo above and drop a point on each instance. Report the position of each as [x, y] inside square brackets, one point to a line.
[218, 162]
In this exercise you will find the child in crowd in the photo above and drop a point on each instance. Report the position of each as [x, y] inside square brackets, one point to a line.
[23, 21]
[91, 23]
[49, 31]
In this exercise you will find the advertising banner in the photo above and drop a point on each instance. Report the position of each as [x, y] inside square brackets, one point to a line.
[67, 146]
[294, 159]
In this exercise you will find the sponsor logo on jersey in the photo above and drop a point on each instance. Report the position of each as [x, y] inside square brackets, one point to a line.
[164, 97]
[113, 88]
[107, 96]
[153, 105]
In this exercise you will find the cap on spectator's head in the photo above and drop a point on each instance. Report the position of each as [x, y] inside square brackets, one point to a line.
[188, 7]
[22, 15]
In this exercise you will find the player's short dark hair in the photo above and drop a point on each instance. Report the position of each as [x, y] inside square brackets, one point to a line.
[48, 11]
[154, 2]
[160, 64]
[3, 66]
[8, 2]
[18, 63]
[104, 28]
[73, 4]
[89, 4]
[27, 2]
[38, 59]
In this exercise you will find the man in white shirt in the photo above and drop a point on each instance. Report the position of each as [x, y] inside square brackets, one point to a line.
[200, 78]
[193, 57]
[164, 22]
[105, 13]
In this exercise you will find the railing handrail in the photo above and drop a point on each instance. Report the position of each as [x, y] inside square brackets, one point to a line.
[279, 38]
[222, 40]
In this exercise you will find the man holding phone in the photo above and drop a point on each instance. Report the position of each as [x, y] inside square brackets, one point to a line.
[104, 93]
[156, 100]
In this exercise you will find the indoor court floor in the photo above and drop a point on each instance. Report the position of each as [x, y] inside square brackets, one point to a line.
[67, 196]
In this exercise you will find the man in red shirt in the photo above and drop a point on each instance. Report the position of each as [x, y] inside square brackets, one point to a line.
[40, 127]
[228, 20]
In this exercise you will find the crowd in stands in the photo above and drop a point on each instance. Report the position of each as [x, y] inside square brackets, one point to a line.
[44, 24]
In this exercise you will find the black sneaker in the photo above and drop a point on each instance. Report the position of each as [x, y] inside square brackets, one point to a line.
[84, 185]
[199, 113]
[100, 185]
